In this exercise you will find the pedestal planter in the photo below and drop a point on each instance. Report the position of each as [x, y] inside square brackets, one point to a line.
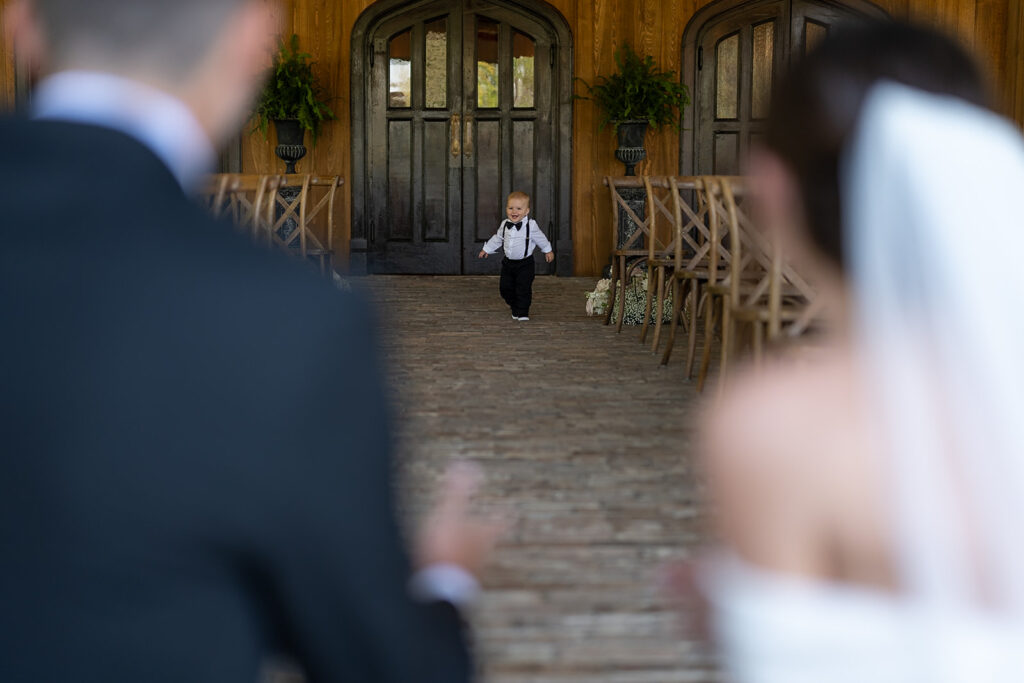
[631, 149]
[291, 146]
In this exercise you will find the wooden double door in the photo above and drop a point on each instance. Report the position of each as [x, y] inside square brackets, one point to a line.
[740, 53]
[459, 114]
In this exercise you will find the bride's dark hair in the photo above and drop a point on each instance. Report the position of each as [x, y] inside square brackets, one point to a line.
[817, 105]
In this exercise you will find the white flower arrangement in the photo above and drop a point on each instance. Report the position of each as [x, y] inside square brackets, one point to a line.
[597, 301]
[636, 301]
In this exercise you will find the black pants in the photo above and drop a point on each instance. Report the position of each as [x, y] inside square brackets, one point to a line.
[517, 284]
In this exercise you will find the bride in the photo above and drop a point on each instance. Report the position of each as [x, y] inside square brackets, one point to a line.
[871, 502]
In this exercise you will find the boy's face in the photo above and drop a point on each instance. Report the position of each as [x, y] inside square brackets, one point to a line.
[517, 209]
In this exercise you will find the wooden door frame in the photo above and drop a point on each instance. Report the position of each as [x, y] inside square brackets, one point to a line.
[365, 27]
[692, 35]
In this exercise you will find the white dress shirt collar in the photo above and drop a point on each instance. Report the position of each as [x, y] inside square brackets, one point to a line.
[158, 120]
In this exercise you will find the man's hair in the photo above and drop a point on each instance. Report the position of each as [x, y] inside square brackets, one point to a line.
[519, 195]
[164, 37]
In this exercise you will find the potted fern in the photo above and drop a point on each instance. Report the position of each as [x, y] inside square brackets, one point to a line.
[294, 101]
[639, 95]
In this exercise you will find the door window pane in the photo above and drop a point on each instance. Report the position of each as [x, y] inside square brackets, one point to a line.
[814, 33]
[487, 64]
[400, 76]
[523, 70]
[764, 61]
[727, 59]
[436, 82]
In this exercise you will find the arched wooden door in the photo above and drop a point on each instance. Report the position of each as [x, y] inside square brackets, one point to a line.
[733, 52]
[462, 103]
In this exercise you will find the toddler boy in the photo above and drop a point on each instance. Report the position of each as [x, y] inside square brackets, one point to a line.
[519, 236]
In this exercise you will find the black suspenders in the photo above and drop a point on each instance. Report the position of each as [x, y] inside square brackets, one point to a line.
[526, 249]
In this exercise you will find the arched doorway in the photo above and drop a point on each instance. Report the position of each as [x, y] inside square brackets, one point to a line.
[456, 103]
[732, 52]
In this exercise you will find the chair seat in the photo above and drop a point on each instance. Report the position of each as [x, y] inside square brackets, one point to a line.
[788, 313]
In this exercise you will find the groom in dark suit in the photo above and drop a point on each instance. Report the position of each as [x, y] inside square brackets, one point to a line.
[195, 457]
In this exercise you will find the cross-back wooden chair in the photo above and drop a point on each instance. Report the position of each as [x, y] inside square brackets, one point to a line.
[762, 291]
[661, 248]
[290, 203]
[691, 262]
[791, 305]
[247, 200]
[321, 248]
[211, 194]
[629, 254]
[731, 269]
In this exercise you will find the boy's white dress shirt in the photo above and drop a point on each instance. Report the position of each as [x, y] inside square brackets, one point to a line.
[514, 240]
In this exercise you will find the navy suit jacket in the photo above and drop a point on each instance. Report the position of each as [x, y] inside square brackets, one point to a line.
[195, 456]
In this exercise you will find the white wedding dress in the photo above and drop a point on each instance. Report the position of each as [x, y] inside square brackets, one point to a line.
[934, 207]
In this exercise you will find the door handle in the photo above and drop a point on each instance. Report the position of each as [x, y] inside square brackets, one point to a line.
[470, 137]
[456, 135]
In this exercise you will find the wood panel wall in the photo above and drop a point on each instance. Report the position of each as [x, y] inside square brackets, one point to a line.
[992, 28]
[8, 83]
[1014, 80]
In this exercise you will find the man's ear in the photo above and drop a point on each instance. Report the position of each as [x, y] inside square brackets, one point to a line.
[23, 30]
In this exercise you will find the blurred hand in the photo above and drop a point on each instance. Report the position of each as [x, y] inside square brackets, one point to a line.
[549, 257]
[483, 254]
[679, 581]
[452, 534]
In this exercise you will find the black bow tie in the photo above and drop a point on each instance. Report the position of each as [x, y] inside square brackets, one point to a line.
[517, 226]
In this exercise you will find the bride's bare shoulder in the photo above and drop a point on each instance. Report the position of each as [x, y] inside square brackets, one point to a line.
[783, 404]
[773, 429]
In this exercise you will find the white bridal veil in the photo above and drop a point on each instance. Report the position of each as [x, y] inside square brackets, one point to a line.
[933, 194]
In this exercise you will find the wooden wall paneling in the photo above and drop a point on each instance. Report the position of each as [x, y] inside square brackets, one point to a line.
[990, 41]
[7, 87]
[993, 28]
[1014, 81]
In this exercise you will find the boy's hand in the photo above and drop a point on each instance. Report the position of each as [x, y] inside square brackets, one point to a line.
[483, 254]
[549, 257]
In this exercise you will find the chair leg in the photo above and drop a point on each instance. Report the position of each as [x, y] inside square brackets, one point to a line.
[728, 339]
[647, 306]
[623, 276]
[660, 312]
[611, 290]
[677, 308]
[709, 333]
[758, 345]
[691, 346]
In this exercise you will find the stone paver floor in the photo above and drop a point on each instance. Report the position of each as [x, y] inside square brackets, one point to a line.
[587, 439]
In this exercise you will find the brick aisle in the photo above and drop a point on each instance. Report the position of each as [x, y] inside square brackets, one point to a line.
[587, 438]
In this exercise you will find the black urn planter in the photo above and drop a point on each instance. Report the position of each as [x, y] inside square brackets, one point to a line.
[291, 137]
[631, 149]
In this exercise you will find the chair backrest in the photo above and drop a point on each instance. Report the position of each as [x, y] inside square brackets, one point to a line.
[725, 255]
[760, 274]
[692, 243]
[661, 224]
[322, 206]
[246, 200]
[636, 240]
[290, 204]
[211, 194]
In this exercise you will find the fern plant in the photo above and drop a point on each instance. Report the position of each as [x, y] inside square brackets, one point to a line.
[638, 91]
[293, 92]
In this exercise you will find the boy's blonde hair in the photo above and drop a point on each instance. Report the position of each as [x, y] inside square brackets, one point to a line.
[519, 195]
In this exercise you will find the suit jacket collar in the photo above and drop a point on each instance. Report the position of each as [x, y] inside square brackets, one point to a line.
[154, 118]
